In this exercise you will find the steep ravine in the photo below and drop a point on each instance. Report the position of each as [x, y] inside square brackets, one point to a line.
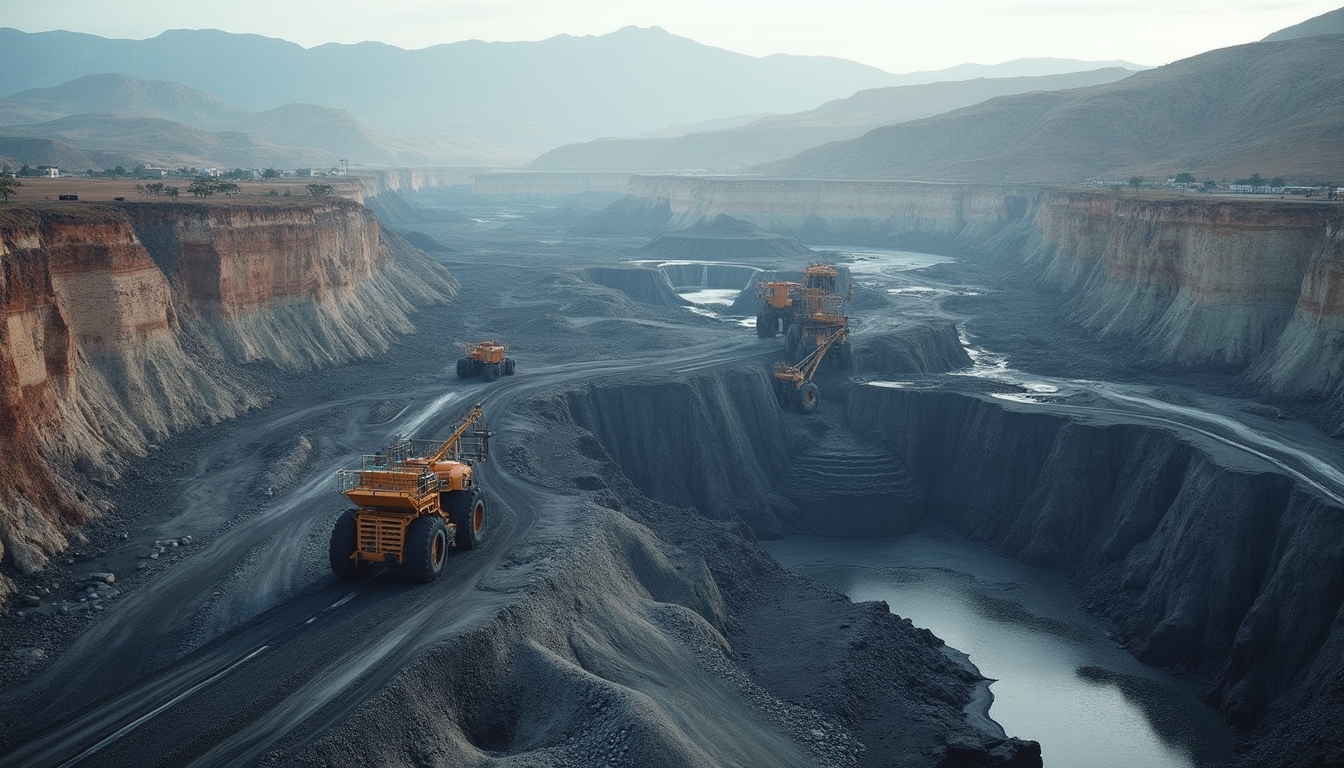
[124, 323]
[1207, 561]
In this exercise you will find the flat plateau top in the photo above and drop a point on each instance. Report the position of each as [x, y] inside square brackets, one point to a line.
[41, 189]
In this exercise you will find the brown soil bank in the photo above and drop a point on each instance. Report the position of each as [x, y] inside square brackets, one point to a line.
[1192, 282]
[124, 323]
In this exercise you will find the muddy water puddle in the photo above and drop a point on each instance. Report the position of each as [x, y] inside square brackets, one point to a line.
[1059, 679]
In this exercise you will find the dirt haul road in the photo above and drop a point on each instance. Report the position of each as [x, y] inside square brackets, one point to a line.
[304, 664]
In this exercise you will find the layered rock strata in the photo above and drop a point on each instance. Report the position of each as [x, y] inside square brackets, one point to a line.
[124, 323]
[1196, 282]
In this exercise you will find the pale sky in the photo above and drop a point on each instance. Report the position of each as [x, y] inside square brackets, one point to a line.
[895, 35]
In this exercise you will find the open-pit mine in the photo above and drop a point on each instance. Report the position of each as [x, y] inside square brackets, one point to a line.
[1073, 492]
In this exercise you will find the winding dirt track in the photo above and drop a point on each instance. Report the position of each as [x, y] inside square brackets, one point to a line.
[302, 664]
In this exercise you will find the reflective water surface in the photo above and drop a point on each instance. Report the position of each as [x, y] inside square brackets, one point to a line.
[1058, 678]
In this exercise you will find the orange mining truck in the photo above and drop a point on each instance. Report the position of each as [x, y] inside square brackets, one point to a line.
[486, 359]
[808, 312]
[413, 503]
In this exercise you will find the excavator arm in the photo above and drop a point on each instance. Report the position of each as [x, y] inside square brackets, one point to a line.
[456, 437]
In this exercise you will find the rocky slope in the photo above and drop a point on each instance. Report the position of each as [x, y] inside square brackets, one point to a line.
[1269, 107]
[1196, 282]
[781, 136]
[1205, 559]
[124, 323]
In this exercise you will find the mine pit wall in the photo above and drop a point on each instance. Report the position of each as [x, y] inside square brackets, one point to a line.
[1224, 569]
[123, 324]
[1195, 282]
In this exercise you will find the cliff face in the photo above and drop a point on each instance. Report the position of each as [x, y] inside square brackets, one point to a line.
[1208, 561]
[1190, 282]
[125, 323]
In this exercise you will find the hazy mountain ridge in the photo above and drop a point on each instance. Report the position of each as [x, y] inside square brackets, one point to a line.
[1274, 108]
[168, 123]
[1331, 23]
[524, 97]
[782, 136]
[564, 88]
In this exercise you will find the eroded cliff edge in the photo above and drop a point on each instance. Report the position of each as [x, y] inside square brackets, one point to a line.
[1246, 285]
[125, 323]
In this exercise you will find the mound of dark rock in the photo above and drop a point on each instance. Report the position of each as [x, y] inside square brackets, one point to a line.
[644, 285]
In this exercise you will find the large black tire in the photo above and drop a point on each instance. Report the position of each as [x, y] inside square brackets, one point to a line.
[426, 548]
[808, 397]
[466, 509]
[344, 542]
[491, 371]
[464, 367]
[509, 366]
[793, 339]
[767, 327]
[476, 367]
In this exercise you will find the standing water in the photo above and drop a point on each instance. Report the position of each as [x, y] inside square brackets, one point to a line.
[1058, 678]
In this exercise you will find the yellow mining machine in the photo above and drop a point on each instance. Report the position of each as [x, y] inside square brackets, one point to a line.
[486, 359]
[809, 312]
[793, 381]
[413, 503]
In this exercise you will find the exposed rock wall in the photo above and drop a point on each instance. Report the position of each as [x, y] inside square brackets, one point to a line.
[1203, 282]
[125, 323]
[1204, 560]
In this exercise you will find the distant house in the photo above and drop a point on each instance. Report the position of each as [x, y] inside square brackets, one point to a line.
[154, 173]
[213, 173]
[307, 172]
[48, 171]
[1264, 189]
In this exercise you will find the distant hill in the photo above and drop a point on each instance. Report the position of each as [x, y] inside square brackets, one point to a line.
[158, 142]
[527, 96]
[523, 97]
[1331, 23]
[782, 136]
[1016, 68]
[17, 151]
[1275, 108]
[293, 135]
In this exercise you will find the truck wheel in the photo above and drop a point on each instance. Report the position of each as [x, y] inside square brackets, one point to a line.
[793, 340]
[491, 371]
[767, 327]
[463, 367]
[426, 548]
[808, 397]
[509, 366]
[468, 514]
[344, 542]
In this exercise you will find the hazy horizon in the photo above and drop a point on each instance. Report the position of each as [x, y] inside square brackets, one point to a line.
[898, 37]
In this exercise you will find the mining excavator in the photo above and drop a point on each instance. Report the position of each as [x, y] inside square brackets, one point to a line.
[808, 312]
[793, 381]
[414, 502]
[486, 359]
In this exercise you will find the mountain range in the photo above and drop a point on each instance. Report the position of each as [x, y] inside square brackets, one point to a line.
[505, 99]
[168, 124]
[781, 136]
[1275, 108]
